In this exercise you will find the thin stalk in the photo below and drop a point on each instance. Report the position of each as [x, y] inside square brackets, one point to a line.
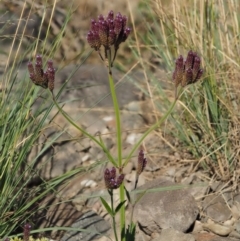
[117, 112]
[113, 217]
[119, 144]
[117, 116]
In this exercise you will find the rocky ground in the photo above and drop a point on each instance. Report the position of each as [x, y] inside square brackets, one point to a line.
[186, 204]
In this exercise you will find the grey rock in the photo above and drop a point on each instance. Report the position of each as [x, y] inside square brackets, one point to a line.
[89, 86]
[215, 208]
[235, 234]
[164, 209]
[91, 227]
[237, 226]
[174, 235]
[56, 213]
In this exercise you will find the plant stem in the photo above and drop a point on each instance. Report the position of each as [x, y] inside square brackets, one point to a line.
[113, 217]
[117, 116]
[119, 144]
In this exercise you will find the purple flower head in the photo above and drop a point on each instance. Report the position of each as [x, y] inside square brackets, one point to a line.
[39, 77]
[111, 181]
[108, 32]
[188, 71]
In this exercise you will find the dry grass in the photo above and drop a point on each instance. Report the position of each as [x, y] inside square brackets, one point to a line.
[209, 120]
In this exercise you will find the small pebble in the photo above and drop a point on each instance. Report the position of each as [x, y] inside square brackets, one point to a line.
[85, 158]
[88, 183]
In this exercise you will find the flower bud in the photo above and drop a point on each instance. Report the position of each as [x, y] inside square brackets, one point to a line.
[142, 162]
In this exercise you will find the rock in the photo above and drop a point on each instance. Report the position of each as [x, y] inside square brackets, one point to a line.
[90, 87]
[211, 237]
[235, 234]
[217, 229]
[164, 209]
[92, 225]
[199, 188]
[173, 235]
[197, 227]
[237, 226]
[215, 208]
[229, 222]
[235, 210]
[56, 213]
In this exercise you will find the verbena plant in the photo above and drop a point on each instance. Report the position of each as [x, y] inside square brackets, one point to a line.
[105, 36]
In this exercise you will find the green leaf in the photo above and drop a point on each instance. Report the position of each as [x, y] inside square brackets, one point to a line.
[107, 207]
[128, 195]
[119, 206]
[130, 232]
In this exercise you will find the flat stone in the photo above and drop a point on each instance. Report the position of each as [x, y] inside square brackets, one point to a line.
[164, 209]
[56, 214]
[94, 227]
[216, 209]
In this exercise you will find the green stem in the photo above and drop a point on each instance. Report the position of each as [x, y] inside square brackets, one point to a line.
[113, 217]
[153, 127]
[119, 144]
[117, 116]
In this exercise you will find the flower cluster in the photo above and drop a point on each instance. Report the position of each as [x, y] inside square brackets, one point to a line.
[108, 32]
[188, 71]
[39, 77]
[142, 162]
[111, 181]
